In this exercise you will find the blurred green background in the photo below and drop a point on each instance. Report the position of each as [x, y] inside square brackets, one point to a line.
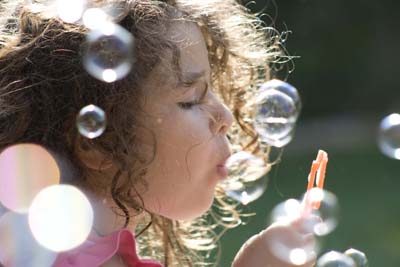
[347, 75]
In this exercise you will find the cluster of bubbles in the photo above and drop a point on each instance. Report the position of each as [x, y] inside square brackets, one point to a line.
[319, 222]
[39, 216]
[277, 107]
[389, 136]
[108, 54]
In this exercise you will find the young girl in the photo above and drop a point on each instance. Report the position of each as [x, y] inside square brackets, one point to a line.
[153, 175]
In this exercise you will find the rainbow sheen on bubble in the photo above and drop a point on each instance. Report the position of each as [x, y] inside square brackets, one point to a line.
[335, 259]
[389, 136]
[91, 121]
[109, 51]
[25, 169]
[60, 217]
[18, 246]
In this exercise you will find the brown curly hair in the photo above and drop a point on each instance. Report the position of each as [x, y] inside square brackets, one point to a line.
[43, 85]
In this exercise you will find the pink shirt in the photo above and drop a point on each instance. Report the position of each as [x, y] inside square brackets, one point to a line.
[98, 250]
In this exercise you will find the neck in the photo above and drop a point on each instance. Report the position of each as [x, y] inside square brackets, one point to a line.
[106, 220]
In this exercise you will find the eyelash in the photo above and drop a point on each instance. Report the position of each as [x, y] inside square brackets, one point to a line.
[189, 105]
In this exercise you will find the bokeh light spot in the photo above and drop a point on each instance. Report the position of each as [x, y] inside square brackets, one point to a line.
[25, 169]
[60, 217]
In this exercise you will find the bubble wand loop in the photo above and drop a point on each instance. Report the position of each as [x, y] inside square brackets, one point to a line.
[316, 175]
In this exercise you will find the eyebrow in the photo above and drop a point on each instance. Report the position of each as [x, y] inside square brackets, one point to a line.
[187, 79]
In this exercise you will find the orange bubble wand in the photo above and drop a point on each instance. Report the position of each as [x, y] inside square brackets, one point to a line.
[316, 176]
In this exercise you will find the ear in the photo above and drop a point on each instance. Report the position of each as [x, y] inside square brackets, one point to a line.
[91, 157]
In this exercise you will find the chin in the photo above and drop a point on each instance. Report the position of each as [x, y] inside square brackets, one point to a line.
[190, 213]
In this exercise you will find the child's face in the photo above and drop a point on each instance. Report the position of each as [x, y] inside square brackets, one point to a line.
[190, 143]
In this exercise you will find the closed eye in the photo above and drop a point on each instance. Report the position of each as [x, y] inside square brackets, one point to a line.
[188, 105]
[191, 104]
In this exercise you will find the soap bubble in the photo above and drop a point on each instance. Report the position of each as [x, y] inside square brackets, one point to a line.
[245, 166]
[245, 192]
[285, 88]
[246, 182]
[389, 136]
[25, 169]
[291, 245]
[327, 212]
[109, 53]
[358, 256]
[60, 217]
[286, 211]
[91, 121]
[335, 259]
[275, 115]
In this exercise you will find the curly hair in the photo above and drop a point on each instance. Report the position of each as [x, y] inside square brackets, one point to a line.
[43, 85]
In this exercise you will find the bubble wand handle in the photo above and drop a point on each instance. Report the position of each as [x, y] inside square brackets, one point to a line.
[316, 176]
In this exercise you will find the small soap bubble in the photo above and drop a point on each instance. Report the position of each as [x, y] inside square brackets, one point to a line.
[94, 18]
[275, 116]
[245, 192]
[245, 166]
[246, 181]
[25, 169]
[325, 207]
[291, 247]
[70, 10]
[359, 257]
[335, 259]
[287, 211]
[60, 217]
[91, 121]
[389, 136]
[285, 88]
[109, 51]
[18, 246]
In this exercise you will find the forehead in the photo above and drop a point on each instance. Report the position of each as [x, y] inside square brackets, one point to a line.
[192, 60]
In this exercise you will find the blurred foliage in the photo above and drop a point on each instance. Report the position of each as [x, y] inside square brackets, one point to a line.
[348, 52]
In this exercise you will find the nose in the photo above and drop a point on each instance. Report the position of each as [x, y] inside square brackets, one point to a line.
[223, 119]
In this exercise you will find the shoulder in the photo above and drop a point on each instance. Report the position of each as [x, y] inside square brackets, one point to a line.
[115, 250]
